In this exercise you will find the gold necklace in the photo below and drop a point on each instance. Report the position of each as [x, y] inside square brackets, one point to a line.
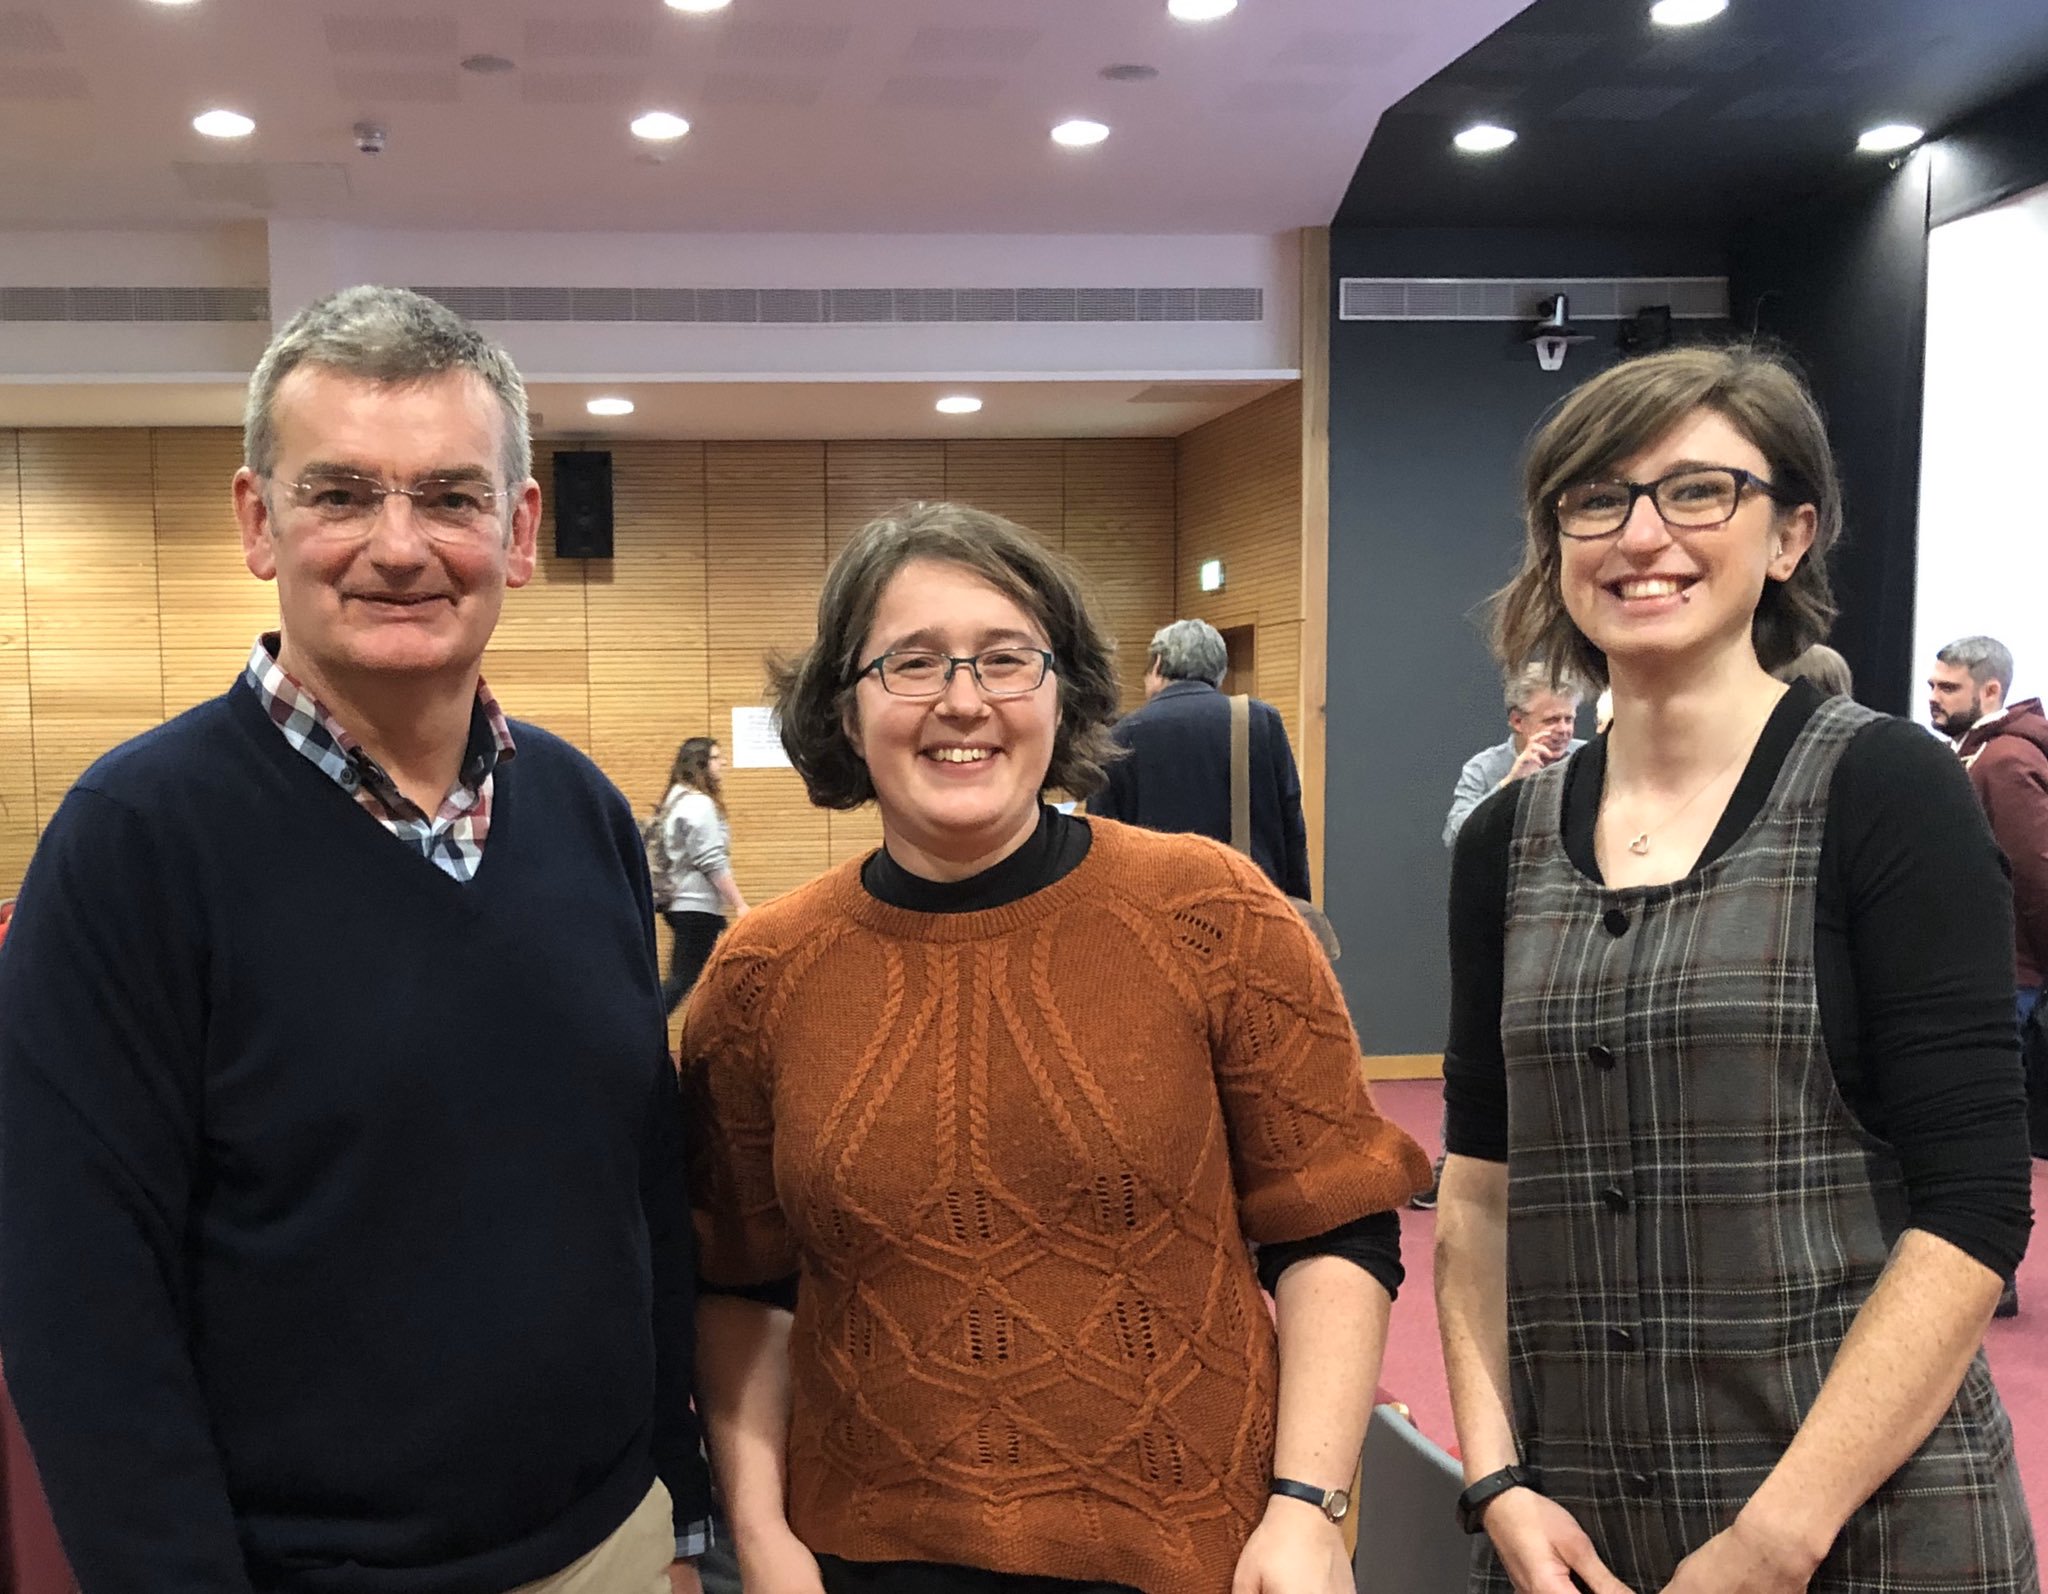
[1641, 844]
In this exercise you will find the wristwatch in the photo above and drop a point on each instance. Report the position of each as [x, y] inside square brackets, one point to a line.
[1333, 1503]
[1473, 1502]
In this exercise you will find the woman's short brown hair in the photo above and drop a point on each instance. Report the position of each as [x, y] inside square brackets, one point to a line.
[814, 691]
[1623, 411]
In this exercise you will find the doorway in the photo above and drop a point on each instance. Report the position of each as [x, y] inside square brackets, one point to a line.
[1241, 675]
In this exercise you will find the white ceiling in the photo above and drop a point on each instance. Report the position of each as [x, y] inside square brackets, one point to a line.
[763, 410]
[852, 116]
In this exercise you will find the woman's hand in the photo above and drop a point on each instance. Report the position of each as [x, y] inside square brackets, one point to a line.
[1294, 1550]
[683, 1578]
[1541, 1546]
[773, 1560]
[1744, 1558]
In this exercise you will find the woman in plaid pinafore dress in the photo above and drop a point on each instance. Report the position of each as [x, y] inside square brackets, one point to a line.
[1738, 1153]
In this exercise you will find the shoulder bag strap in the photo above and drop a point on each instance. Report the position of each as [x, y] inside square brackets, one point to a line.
[1241, 774]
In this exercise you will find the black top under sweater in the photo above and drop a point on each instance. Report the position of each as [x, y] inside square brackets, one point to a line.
[344, 1247]
[1052, 852]
[1913, 954]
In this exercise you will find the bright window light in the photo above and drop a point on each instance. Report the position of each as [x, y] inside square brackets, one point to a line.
[1891, 137]
[223, 124]
[1483, 138]
[1200, 10]
[610, 406]
[1210, 575]
[1686, 13]
[658, 127]
[958, 404]
[1079, 132]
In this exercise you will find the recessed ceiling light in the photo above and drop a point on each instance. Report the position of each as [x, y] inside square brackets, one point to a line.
[174, 2]
[1483, 138]
[1200, 10]
[223, 124]
[1686, 13]
[958, 404]
[609, 406]
[658, 127]
[1079, 132]
[698, 5]
[1891, 137]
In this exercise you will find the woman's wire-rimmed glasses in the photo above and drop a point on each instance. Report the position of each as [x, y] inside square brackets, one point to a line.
[1697, 498]
[999, 672]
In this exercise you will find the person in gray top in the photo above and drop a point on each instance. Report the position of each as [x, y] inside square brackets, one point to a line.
[1540, 721]
[689, 859]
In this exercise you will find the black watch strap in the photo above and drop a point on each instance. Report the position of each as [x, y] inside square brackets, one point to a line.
[1333, 1503]
[1473, 1502]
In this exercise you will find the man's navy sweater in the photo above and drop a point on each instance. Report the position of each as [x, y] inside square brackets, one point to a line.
[343, 1238]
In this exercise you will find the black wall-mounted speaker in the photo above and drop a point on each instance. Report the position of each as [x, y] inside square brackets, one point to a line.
[583, 504]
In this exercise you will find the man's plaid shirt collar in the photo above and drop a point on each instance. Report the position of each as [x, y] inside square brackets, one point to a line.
[453, 839]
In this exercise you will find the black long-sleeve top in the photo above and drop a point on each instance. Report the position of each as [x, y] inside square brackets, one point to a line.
[1913, 959]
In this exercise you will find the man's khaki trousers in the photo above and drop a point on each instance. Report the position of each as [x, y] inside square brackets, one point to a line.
[634, 1560]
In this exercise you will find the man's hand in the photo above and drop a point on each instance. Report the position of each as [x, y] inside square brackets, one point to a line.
[1541, 752]
[1744, 1558]
[775, 1561]
[1542, 1546]
[1294, 1550]
[683, 1579]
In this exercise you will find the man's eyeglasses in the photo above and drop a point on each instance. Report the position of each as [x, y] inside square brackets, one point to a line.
[1695, 499]
[1000, 672]
[446, 508]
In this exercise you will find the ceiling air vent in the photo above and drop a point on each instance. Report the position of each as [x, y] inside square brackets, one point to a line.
[1519, 298]
[134, 304]
[851, 306]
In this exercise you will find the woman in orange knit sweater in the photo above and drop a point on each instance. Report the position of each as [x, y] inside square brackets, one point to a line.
[1008, 1099]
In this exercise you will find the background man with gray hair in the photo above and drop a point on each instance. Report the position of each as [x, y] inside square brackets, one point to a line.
[2004, 746]
[343, 1241]
[1540, 722]
[1177, 774]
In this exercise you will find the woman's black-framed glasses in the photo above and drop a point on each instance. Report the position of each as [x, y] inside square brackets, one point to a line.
[1695, 499]
[1000, 672]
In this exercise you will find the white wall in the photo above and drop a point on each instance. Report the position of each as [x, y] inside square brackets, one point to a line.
[1983, 554]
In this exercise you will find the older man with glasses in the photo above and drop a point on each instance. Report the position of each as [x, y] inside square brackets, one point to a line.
[343, 1241]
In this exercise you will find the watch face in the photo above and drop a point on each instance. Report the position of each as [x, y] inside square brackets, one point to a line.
[1337, 1505]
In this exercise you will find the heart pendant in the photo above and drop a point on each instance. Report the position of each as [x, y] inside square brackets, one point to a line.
[1640, 845]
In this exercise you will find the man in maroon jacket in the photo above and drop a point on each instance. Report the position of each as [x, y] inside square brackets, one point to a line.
[2004, 746]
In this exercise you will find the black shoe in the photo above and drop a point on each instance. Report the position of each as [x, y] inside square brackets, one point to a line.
[2009, 1302]
[1425, 1201]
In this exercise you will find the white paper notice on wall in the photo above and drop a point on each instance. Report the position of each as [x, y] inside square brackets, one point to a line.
[756, 740]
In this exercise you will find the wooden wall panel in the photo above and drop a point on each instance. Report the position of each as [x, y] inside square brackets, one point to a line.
[1119, 530]
[1021, 481]
[765, 538]
[1239, 499]
[863, 479]
[130, 600]
[210, 609]
[88, 541]
[20, 821]
[778, 839]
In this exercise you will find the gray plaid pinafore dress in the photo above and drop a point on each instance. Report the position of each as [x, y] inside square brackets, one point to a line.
[1695, 1217]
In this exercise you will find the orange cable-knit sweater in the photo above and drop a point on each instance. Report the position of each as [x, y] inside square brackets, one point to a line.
[1016, 1156]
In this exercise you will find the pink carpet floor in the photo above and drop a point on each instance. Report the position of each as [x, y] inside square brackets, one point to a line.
[1413, 1372]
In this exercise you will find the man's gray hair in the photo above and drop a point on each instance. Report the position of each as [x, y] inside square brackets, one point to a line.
[385, 335]
[1530, 682]
[1986, 658]
[1190, 650]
